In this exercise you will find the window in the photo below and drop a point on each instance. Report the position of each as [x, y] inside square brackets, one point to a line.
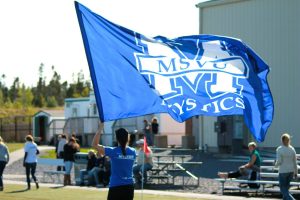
[74, 112]
[95, 109]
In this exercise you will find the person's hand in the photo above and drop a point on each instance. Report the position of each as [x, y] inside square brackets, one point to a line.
[23, 164]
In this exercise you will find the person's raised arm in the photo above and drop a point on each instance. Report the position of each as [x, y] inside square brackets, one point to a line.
[96, 140]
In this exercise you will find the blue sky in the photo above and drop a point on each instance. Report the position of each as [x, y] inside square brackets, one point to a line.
[35, 31]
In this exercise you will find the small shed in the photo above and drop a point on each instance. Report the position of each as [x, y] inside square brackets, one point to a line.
[41, 122]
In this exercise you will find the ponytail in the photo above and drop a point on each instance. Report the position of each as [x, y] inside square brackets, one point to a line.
[122, 138]
[123, 148]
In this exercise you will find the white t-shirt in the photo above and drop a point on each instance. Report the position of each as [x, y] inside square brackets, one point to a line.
[31, 149]
[286, 159]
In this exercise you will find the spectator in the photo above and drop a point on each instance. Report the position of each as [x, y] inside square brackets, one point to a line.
[104, 173]
[60, 150]
[75, 136]
[4, 159]
[90, 165]
[144, 163]
[30, 160]
[99, 173]
[94, 173]
[154, 127]
[70, 149]
[251, 169]
[56, 144]
[122, 159]
[147, 132]
[287, 163]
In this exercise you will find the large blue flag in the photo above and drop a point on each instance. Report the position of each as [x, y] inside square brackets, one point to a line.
[135, 75]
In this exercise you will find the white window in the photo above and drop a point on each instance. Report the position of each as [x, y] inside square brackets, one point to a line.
[74, 112]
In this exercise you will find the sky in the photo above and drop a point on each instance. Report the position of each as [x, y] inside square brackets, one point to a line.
[47, 31]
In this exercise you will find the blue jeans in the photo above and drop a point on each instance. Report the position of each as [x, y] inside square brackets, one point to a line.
[68, 166]
[94, 174]
[2, 166]
[284, 184]
[149, 139]
[138, 170]
[83, 172]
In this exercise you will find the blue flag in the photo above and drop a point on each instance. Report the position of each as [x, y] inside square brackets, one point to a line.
[135, 75]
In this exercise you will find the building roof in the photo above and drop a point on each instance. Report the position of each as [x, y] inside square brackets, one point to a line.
[210, 3]
[52, 113]
[77, 99]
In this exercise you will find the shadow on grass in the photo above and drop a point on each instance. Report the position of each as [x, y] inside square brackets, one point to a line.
[57, 187]
[18, 191]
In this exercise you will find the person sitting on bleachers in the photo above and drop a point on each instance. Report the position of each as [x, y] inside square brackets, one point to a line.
[251, 169]
[144, 163]
[99, 171]
[90, 165]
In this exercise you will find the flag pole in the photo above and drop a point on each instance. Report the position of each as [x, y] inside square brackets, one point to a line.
[143, 171]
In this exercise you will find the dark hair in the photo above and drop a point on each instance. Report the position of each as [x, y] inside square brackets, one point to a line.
[63, 136]
[122, 138]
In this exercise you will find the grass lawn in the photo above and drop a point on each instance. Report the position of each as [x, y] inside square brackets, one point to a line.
[14, 146]
[51, 153]
[17, 192]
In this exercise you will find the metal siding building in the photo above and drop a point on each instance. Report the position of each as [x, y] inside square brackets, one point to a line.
[272, 29]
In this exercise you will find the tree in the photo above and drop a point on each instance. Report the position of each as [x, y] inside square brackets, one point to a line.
[25, 97]
[39, 91]
[54, 88]
[14, 90]
[51, 102]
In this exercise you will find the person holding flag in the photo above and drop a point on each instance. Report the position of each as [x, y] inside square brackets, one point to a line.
[122, 157]
[144, 162]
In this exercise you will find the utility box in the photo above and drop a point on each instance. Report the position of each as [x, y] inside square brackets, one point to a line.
[188, 142]
[161, 141]
[81, 160]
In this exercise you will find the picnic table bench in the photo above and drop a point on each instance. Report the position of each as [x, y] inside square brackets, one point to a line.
[172, 169]
[51, 173]
[262, 189]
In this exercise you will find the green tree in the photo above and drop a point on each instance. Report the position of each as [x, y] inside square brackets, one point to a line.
[51, 102]
[25, 97]
[39, 90]
[54, 89]
[1, 98]
[14, 90]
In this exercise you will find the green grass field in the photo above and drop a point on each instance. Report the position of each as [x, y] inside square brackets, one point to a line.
[51, 153]
[14, 146]
[17, 192]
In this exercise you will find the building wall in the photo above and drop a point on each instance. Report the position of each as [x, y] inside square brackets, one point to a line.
[272, 29]
[174, 130]
[76, 108]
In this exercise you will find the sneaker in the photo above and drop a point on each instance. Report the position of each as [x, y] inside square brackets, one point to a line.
[37, 185]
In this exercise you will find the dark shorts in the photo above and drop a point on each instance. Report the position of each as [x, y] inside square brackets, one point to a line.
[123, 192]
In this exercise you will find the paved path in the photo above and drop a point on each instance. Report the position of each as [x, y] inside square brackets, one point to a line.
[19, 154]
[153, 192]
